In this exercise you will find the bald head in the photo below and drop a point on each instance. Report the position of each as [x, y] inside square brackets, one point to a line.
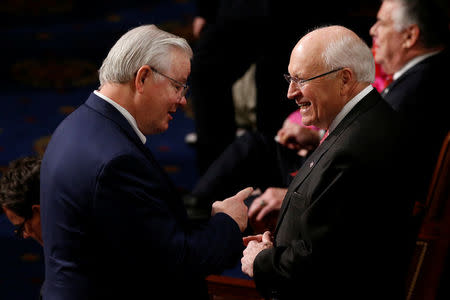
[323, 36]
[330, 66]
[333, 47]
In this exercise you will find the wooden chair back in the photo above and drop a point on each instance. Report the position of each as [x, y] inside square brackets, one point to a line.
[431, 254]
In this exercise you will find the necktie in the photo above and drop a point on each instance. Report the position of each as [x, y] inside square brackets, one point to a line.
[324, 137]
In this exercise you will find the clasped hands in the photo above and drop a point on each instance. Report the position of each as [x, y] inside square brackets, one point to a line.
[254, 245]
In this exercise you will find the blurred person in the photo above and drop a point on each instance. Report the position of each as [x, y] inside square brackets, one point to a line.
[410, 42]
[343, 228]
[113, 224]
[19, 197]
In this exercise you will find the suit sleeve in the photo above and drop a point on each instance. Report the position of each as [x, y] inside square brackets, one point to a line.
[134, 204]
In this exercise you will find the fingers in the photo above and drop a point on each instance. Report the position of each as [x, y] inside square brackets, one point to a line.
[263, 212]
[255, 207]
[250, 238]
[245, 193]
[267, 237]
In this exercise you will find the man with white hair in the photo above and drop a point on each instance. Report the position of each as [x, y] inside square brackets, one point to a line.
[113, 224]
[410, 38]
[342, 229]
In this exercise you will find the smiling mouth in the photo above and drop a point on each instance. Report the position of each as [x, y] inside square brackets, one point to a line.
[304, 105]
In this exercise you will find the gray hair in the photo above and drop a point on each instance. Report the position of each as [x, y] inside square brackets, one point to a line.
[143, 45]
[351, 52]
[429, 15]
[404, 16]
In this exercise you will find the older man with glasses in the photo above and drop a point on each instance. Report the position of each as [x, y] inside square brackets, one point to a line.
[113, 224]
[342, 229]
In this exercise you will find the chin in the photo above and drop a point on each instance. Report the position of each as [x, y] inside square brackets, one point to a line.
[163, 128]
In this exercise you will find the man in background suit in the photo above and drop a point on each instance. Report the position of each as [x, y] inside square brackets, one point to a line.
[113, 224]
[411, 39]
[342, 231]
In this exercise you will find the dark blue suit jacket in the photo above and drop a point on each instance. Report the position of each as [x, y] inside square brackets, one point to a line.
[113, 225]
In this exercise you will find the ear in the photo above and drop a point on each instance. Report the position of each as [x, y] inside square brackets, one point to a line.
[142, 75]
[36, 209]
[346, 78]
[411, 36]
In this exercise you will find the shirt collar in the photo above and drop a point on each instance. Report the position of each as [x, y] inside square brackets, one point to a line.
[126, 114]
[348, 107]
[412, 63]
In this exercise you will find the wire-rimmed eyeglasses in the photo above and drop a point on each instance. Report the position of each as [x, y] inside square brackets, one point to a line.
[301, 82]
[180, 87]
[19, 229]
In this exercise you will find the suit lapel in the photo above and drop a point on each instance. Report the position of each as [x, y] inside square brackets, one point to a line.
[366, 103]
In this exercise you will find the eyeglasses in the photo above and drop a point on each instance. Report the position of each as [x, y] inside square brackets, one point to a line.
[19, 229]
[180, 87]
[301, 82]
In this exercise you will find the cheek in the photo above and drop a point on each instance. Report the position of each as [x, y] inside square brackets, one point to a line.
[390, 38]
[323, 100]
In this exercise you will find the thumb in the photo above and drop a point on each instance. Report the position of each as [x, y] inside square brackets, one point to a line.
[266, 237]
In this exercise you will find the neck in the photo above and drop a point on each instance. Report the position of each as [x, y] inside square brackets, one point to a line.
[356, 89]
[415, 52]
[121, 94]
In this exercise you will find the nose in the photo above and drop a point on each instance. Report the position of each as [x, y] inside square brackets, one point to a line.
[182, 101]
[372, 30]
[294, 91]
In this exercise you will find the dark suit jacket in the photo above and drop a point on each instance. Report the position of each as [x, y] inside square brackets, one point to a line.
[113, 224]
[421, 95]
[341, 232]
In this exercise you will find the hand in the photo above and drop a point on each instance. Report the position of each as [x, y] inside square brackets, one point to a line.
[269, 201]
[255, 244]
[197, 26]
[297, 137]
[264, 210]
[234, 207]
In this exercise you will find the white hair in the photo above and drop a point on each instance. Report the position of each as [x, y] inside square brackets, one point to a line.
[351, 52]
[402, 17]
[143, 45]
[430, 16]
